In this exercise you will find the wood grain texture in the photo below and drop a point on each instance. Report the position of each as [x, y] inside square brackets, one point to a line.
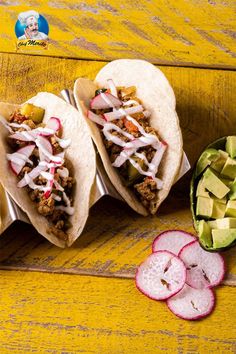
[114, 242]
[50, 313]
[195, 33]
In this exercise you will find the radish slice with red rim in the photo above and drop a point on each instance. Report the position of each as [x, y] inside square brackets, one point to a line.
[161, 275]
[19, 158]
[54, 124]
[104, 101]
[172, 241]
[24, 135]
[192, 304]
[204, 269]
[96, 118]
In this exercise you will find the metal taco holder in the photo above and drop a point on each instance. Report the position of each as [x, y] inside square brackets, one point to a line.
[10, 211]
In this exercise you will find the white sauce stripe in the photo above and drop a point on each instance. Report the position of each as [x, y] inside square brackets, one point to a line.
[48, 162]
[118, 113]
[131, 147]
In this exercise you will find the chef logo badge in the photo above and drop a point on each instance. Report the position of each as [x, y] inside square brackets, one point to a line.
[32, 31]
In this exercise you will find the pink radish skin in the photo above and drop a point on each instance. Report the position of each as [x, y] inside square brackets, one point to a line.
[54, 124]
[96, 118]
[47, 146]
[161, 275]
[99, 103]
[192, 304]
[204, 269]
[172, 241]
[27, 151]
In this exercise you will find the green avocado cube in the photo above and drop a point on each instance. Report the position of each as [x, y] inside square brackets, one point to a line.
[204, 207]
[223, 238]
[231, 208]
[229, 169]
[204, 232]
[232, 193]
[206, 159]
[224, 223]
[214, 185]
[32, 112]
[218, 164]
[201, 190]
[212, 224]
[230, 146]
[218, 210]
[222, 200]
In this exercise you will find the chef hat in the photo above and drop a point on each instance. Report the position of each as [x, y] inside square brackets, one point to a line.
[28, 17]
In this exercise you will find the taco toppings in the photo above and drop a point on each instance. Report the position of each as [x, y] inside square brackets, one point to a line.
[38, 160]
[133, 146]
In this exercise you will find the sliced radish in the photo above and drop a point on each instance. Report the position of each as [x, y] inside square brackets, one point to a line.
[96, 118]
[54, 124]
[204, 269]
[32, 175]
[116, 114]
[172, 241]
[192, 304]
[104, 101]
[45, 148]
[161, 275]
[45, 131]
[24, 136]
[19, 158]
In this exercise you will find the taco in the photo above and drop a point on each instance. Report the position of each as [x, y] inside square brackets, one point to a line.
[48, 165]
[130, 109]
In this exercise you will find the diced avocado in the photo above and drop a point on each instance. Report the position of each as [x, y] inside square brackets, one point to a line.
[232, 193]
[223, 237]
[231, 208]
[204, 232]
[133, 173]
[204, 207]
[228, 182]
[224, 223]
[33, 112]
[212, 224]
[218, 210]
[218, 164]
[214, 185]
[222, 200]
[229, 168]
[201, 190]
[208, 156]
[230, 146]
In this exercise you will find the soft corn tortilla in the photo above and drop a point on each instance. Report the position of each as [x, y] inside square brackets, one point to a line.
[157, 97]
[80, 154]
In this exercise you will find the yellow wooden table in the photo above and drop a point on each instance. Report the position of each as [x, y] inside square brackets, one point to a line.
[83, 299]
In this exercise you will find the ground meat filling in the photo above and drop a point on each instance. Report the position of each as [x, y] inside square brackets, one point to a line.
[46, 206]
[144, 187]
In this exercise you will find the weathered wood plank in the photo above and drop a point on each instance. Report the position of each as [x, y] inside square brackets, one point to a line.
[195, 33]
[50, 313]
[113, 243]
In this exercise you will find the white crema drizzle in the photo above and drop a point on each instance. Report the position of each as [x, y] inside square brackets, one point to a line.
[130, 148]
[47, 166]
